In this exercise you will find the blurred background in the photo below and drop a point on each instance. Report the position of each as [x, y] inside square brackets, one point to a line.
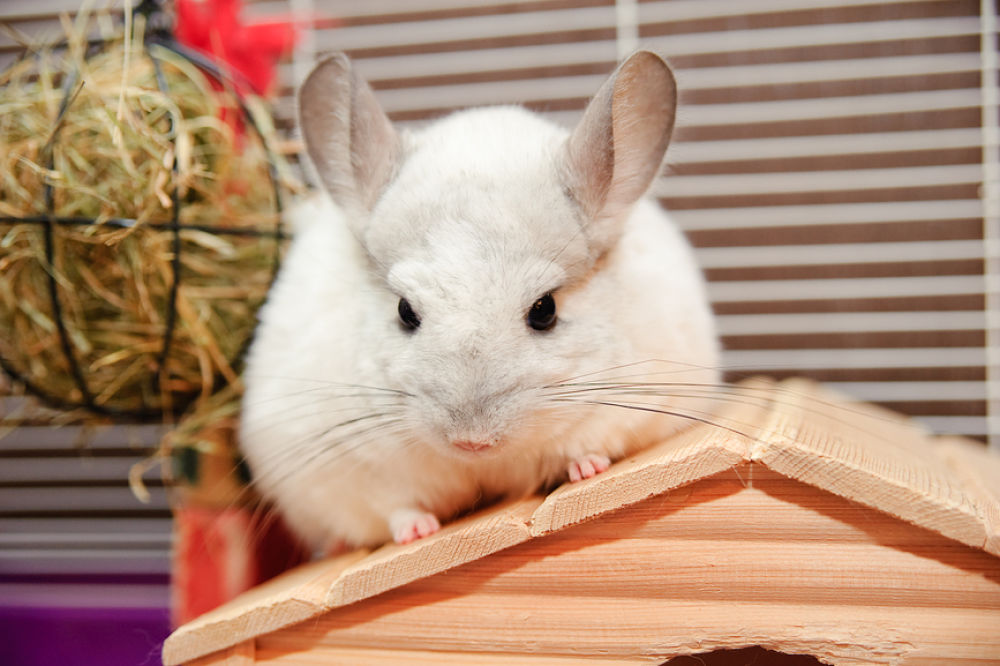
[834, 163]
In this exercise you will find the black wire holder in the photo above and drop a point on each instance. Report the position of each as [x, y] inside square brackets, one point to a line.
[160, 37]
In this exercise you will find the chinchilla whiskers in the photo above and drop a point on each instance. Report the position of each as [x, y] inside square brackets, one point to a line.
[667, 367]
[343, 428]
[843, 414]
[324, 405]
[329, 435]
[327, 392]
[774, 393]
[665, 389]
[332, 384]
[320, 448]
[292, 451]
[332, 451]
[285, 462]
[706, 418]
[675, 367]
[721, 393]
[552, 260]
[770, 392]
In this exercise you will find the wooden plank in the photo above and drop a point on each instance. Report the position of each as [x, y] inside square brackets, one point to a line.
[466, 540]
[314, 588]
[657, 511]
[349, 657]
[242, 654]
[800, 571]
[694, 454]
[678, 545]
[867, 455]
[662, 629]
[980, 473]
[289, 598]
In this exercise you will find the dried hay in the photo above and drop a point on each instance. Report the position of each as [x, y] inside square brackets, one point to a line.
[123, 149]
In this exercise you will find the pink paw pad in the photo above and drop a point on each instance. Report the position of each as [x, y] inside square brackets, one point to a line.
[414, 527]
[587, 466]
[336, 547]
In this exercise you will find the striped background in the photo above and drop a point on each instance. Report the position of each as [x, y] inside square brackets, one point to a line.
[835, 164]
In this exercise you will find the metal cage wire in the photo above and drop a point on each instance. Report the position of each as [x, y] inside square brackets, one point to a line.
[159, 37]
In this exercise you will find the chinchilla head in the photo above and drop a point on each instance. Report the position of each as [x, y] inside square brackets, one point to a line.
[483, 232]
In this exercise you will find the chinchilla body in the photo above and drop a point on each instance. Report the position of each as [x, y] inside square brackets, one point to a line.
[472, 310]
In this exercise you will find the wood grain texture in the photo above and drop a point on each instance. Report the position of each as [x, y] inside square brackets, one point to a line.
[463, 541]
[714, 565]
[979, 472]
[693, 454]
[379, 657]
[868, 455]
[655, 631]
[310, 590]
[797, 506]
[797, 61]
[241, 654]
[289, 598]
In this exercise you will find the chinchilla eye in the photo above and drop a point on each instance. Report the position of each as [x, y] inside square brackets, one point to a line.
[407, 317]
[542, 315]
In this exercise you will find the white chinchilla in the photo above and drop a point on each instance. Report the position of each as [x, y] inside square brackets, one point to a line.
[490, 306]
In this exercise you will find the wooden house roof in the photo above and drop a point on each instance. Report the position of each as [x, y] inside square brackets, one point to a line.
[795, 429]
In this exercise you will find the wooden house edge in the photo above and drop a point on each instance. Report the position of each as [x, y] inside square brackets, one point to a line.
[479, 535]
[362, 575]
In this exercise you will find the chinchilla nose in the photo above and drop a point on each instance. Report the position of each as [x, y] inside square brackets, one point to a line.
[472, 445]
[471, 391]
[474, 417]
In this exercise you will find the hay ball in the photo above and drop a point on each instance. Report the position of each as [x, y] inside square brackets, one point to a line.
[138, 228]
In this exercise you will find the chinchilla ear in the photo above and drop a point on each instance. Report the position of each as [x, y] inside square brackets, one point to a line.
[351, 142]
[617, 148]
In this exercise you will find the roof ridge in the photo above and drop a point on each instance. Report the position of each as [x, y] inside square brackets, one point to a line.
[795, 428]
